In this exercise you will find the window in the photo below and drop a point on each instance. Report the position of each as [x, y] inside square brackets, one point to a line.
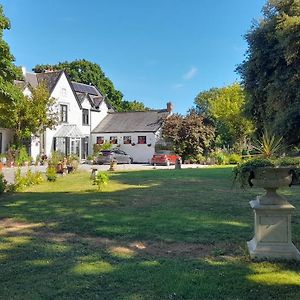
[126, 139]
[100, 140]
[63, 113]
[113, 140]
[141, 139]
[64, 92]
[85, 117]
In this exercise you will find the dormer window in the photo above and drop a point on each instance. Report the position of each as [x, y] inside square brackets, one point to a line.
[85, 117]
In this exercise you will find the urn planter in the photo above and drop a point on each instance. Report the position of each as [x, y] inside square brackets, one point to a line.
[272, 216]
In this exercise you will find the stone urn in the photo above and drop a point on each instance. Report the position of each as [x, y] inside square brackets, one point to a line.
[272, 216]
[270, 179]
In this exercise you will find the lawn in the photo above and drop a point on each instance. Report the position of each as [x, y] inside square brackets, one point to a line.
[160, 234]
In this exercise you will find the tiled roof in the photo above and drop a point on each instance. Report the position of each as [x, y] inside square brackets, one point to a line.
[142, 121]
[49, 78]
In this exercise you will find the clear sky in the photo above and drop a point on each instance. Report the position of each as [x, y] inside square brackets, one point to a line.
[154, 51]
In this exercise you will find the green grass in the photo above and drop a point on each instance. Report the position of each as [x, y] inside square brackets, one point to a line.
[161, 234]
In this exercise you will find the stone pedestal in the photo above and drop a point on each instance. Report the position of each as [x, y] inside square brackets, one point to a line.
[272, 231]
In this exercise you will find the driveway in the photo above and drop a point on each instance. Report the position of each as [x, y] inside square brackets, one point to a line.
[9, 173]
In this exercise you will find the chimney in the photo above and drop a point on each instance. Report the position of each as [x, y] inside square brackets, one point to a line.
[24, 71]
[170, 107]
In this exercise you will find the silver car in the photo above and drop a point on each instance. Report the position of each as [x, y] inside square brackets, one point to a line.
[106, 156]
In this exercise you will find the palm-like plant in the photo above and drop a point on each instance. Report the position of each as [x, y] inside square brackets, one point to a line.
[269, 145]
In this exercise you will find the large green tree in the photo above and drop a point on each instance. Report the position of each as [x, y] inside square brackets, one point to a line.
[225, 107]
[271, 70]
[24, 115]
[190, 135]
[91, 73]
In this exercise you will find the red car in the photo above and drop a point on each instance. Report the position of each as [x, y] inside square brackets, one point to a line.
[164, 157]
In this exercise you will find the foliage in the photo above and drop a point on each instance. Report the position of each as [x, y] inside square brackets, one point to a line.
[99, 147]
[133, 106]
[55, 158]
[234, 158]
[51, 173]
[3, 183]
[21, 182]
[269, 145]
[242, 172]
[225, 106]
[270, 72]
[101, 180]
[190, 135]
[73, 161]
[91, 73]
[22, 156]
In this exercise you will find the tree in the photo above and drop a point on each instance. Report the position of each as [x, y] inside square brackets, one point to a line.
[10, 95]
[190, 135]
[91, 73]
[271, 70]
[133, 106]
[31, 115]
[225, 107]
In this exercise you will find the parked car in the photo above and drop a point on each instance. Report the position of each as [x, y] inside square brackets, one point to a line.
[164, 157]
[106, 156]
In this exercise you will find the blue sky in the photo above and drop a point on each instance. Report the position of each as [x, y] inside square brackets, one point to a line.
[154, 51]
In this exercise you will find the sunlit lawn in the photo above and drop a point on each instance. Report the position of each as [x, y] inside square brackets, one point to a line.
[161, 234]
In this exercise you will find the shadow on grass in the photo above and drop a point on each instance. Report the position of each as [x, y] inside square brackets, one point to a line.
[124, 244]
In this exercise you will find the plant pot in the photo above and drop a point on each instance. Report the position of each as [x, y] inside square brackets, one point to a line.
[270, 179]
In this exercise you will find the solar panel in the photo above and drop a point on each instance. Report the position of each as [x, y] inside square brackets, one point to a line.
[84, 88]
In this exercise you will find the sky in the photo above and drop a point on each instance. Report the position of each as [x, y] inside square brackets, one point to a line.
[154, 51]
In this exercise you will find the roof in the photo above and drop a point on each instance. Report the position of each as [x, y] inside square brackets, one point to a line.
[85, 88]
[20, 84]
[71, 131]
[49, 78]
[140, 121]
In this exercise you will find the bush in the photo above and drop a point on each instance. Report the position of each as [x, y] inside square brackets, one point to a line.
[101, 180]
[3, 183]
[234, 159]
[56, 157]
[22, 156]
[51, 173]
[98, 147]
[73, 161]
[30, 178]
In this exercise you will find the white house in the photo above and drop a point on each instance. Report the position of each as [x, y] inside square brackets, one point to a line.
[136, 133]
[85, 118]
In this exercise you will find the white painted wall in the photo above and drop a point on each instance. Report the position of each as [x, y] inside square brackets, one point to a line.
[64, 95]
[140, 152]
[7, 138]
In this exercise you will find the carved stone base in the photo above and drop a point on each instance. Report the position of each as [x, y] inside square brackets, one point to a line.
[272, 232]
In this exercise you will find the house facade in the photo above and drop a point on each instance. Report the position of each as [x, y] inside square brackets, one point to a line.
[136, 133]
[85, 118]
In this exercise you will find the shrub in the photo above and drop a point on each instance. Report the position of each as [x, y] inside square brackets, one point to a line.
[51, 173]
[234, 159]
[3, 183]
[30, 178]
[98, 147]
[73, 161]
[101, 180]
[56, 157]
[22, 156]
